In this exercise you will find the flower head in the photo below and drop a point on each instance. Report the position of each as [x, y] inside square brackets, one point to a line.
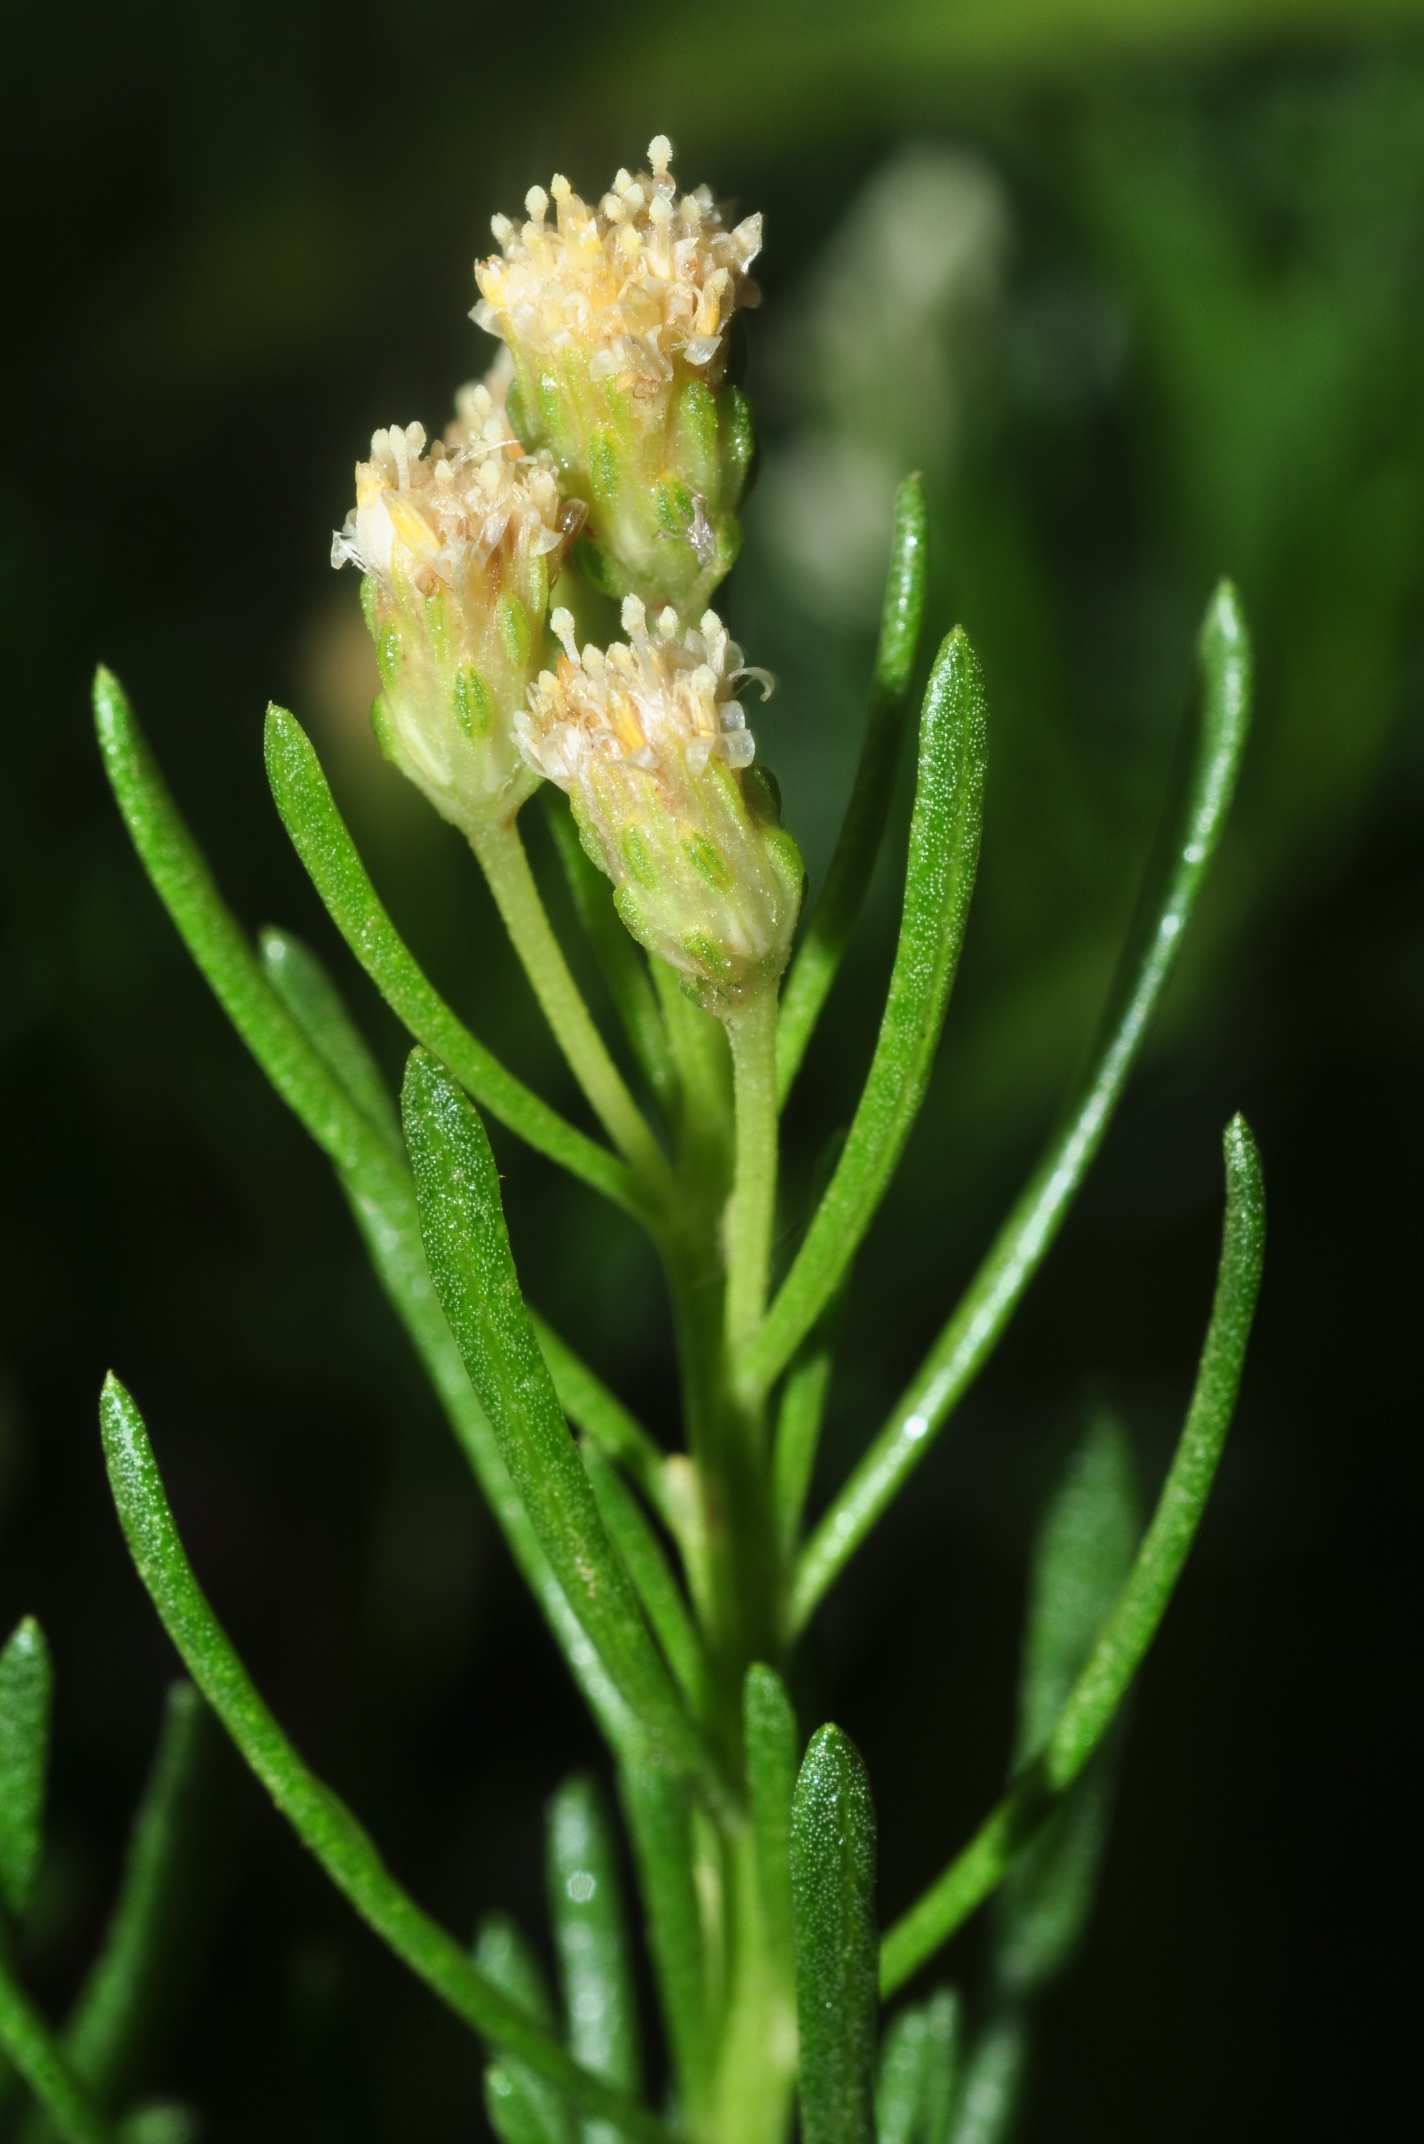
[617, 321]
[651, 744]
[458, 541]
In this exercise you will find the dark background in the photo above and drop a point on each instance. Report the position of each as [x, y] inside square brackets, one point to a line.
[238, 236]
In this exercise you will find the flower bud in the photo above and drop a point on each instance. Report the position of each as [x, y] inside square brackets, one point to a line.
[616, 319]
[652, 747]
[458, 543]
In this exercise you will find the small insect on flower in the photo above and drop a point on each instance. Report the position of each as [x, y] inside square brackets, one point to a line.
[652, 746]
[458, 542]
[618, 322]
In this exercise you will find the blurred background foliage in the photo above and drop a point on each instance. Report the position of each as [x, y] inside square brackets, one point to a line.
[1141, 288]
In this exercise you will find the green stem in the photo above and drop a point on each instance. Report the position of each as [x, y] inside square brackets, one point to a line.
[751, 1030]
[506, 867]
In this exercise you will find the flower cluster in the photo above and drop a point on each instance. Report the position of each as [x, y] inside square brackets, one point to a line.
[608, 422]
[651, 743]
[617, 320]
[459, 542]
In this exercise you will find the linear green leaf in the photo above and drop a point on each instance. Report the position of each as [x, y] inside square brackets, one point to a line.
[382, 1200]
[314, 1002]
[603, 1418]
[939, 879]
[591, 1935]
[657, 1808]
[26, 1695]
[799, 1416]
[147, 1950]
[1190, 833]
[1089, 1709]
[376, 1182]
[945, 2027]
[988, 2099]
[652, 1577]
[523, 2107]
[833, 1895]
[769, 1732]
[320, 837]
[1084, 1552]
[863, 829]
[621, 959]
[467, 1249]
[36, 2054]
[317, 1815]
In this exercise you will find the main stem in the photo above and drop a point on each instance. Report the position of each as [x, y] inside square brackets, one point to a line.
[506, 867]
[751, 1031]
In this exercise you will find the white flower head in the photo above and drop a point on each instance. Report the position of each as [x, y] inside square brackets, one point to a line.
[617, 319]
[459, 541]
[650, 740]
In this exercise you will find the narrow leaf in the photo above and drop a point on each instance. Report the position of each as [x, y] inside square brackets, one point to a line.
[1191, 830]
[143, 1970]
[769, 1732]
[305, 988]
[523, 2108]
[382, 1200]
[1090, 1707]
[32, 2047]
[320, 1819]
[945, 2028]
[591, 1936]
[799, 1417]
[988, 2099]
[833, 1892]
[657, 1808]
[819, 954]
[26, 1694]
[621, 959]
[320, 838]
[652, 1577]
[901, 2076]
[467, 1248]
[602, 1417]
[1083, 1557]
[939, 878]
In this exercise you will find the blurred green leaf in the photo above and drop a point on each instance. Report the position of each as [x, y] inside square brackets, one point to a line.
[26, 1695]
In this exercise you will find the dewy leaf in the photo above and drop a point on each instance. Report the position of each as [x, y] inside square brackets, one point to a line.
[26, 1693]
[31, 2046]
[833, 1892]
[320, 838]
[863, 829]
[591, 1935]
[1191, 830]
[142, 1969]
[467, 1247]
[317, 1815]
[523, 2108]
[939, 878]
[1088, 1712]
[305, 988]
